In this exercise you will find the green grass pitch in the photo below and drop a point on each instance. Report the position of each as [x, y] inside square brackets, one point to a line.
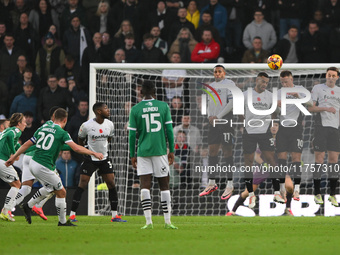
[196, 235]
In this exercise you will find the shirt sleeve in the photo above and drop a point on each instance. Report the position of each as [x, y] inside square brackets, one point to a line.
[132, 121]
[132, 134]
[82, 131]
[66, 137]
[315, 93]
[112, 130]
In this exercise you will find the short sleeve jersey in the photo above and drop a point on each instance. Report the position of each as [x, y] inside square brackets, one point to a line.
[149, 118]
[97, 136]
[49, 141]
[293, 113]
[325, 96]
[224, 93]
[8, 141]
[261, 101]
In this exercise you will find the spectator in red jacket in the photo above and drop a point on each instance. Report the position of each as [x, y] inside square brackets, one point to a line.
[206, 51]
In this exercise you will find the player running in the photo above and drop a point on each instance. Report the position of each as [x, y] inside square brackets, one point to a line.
[220, 135]
[326, 103]
[151, 119]
[9, 144]
[48, 141]
[98, 133]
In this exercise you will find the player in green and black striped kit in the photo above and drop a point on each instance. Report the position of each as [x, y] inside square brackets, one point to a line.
[9, 144]
[49, 140]
[151, 119]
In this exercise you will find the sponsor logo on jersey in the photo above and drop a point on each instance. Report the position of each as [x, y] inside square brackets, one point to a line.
[149, 103]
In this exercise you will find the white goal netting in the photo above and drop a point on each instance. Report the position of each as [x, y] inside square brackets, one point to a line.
[118, 85]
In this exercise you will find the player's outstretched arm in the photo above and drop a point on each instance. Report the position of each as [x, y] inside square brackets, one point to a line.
[21, 150]
[82, 150]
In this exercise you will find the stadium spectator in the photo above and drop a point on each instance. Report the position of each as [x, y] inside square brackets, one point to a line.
[16, 76]
[76, 39]
[162, 18]
[30, 129]
[324, 28]
[206, 23]
[286, 47]
[5, 13]
[9, 55]
[236, 20]
[219, 16]
[119, 37]
[256, 54]
[21, 6]
[52, 95]
[313, 46]
[177, 110]
[265, 6]
[159, 42]
[102, 21]
[53, 30]
[73, 8]
[49, 58]
[132, 54]
[206, 51]
[28, 76]
[335, 44]
[259, 27]
[79, 118]
[180, 23]
[93, 53]
[107, 47]
[26, 38]
[173, 79]
[184, 45]
[151, 54]
[2, 33]
[290, 14]
[62, 83]
[26, 101]
[76, 92]
[69, 71]
[42, 17]
[331, 9]
[194, 138]
[193, 14]
[119, 56]
[67, 168]
[182, 151]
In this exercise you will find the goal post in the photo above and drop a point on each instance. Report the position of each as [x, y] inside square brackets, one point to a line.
[116, 84]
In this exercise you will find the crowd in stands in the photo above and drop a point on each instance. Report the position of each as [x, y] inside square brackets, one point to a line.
[46, 46]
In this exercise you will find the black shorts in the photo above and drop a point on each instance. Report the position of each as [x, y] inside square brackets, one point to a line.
[265, 141]
[221, 134]
[289, 139]
[88, 167]
[326, 139]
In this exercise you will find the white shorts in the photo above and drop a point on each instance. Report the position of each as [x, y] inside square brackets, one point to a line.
[26, 173]
[8, 173]
[158, 166]
[48, 178]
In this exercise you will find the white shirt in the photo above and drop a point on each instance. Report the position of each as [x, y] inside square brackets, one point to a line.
[327, 97]
[261, 101]
[293, 113]
[173, 75]
[97, 135]
[225, 94]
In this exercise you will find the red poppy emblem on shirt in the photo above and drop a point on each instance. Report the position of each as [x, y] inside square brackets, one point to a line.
[332, 92]
[258, 99]
[100, 130]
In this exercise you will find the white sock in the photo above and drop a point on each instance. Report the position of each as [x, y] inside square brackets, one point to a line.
[212, 182]
[10, 199]
[277, 193]
[146, 204]
[114, 214]
[166, 205]
[42, 202]
[251, 194]
[230, 184]
[60, 203]
[297, 187]
[282, 187]
[41, 194]
[72, 213]
[23, 192]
